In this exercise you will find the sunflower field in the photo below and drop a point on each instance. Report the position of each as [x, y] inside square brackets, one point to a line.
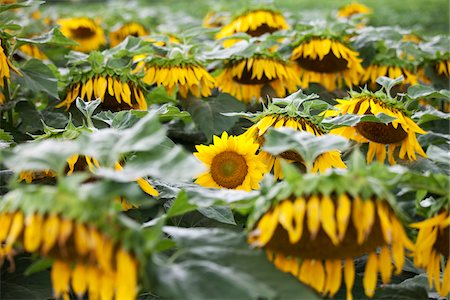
[224, 150]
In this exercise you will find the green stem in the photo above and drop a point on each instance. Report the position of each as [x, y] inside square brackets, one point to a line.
[7, 100]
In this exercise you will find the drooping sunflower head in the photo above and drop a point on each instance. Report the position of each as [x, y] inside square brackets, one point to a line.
[232, 162]
[392, 70]
[328, 220]
[288, 112]
[85, 31]
[245, 76]
[5, 66]
[184, 73]
[116, 86]
[87, 256]
[254, 22]
[400, 132]
[118, 34]
[214, 19]
[443, 67]
[353, 9]
[431, 244]
[32, 51]
[327, 61]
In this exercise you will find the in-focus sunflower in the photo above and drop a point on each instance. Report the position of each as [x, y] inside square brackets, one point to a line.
[116, 36]
[327, 61]
[432, 243]
[86, 32]
[401, 132]
[255, 23]
[245, 78]
[373, 71]
[85, 258]
[316, 234]
[232, 163]
[290, 116]
[115, 91]
[188, 75]
[353, 9]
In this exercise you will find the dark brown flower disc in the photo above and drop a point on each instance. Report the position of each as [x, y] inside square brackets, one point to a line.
[381, 133]
[329, 64]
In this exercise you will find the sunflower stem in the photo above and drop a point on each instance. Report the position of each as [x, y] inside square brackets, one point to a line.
[7, 100]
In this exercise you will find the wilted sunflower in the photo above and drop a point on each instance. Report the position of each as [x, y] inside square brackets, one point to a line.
[373, 71]
[253, 22]
[86, 32]
[5, 66]
[316, 235]
[245, 78]
[85, 258]
[115, 92]
[432, 243]
[401, 132]
[116, 36]
[352, 9]
[32, 51]
[188, 75]
[327, 61]
[443, 67]
[290, 116]
[232, 163]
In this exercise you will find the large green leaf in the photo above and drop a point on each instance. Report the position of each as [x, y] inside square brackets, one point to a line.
[208, 117]
[53, 37]
[38, 77]
[219, 264]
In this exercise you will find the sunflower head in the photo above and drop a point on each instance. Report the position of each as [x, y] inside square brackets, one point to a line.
[232, 162]
[291, 112]
[178, 70]
[400, 132]
[86, 32]
[353, 9]
[214, 19]
[6, 66]
[118, 34]
[97, 76]
[87, 255]
[254, 22]
[326, 60]
[319, 223]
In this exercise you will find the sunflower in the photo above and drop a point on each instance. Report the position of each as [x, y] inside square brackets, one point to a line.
[84, 258]
[5, 66]
[328, 62]
[373, 71]
[432, 243]
[188, 76]
[245, 78]
[322, 163]
[232, 163]
[114, 93]
[253, 22]
[353, 9]
[314, 235]
[86, 32]
[401, 132]
[443, 67]
[129, 29]
[32, 51]
[214, 19]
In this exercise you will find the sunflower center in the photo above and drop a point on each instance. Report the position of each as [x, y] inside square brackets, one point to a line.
[82, 32]
[442, 242]
[246, 78]
[329, 64]
[260, 30]
[381, 133]
[229, 169]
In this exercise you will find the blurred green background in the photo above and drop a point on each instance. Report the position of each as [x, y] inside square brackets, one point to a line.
[424, 16]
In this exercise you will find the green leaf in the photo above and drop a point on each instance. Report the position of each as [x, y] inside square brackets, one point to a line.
[5, 7]
[208, 117]
[159, 95]
[180, 206]
[430, 114]
[352, 120]
[425, 91]
[122, 119]
[221, 214]
[224, 260]
[38, 266]
[415, 288]
[169, 112]
[53, 37]
[439, 155]
[38, 77]
[388, 83]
